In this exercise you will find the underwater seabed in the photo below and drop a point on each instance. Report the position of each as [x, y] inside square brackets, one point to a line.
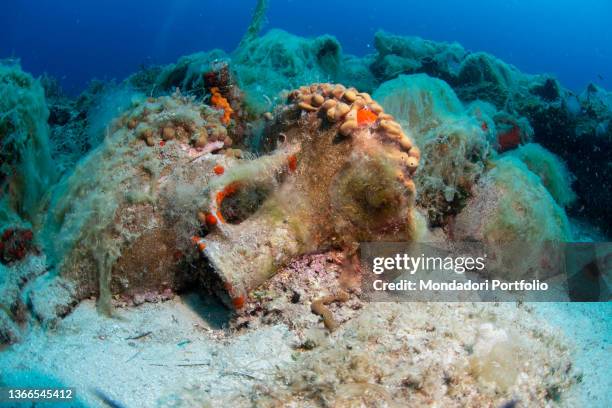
[177, 354]
[188, 236]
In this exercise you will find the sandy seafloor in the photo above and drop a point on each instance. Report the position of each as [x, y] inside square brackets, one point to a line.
[588, 327]
[184, 350]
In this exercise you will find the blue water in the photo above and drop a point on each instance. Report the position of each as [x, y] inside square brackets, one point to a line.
[76, 40]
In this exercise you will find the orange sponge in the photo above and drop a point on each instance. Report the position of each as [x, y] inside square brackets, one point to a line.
[218, 101]
[366, 117]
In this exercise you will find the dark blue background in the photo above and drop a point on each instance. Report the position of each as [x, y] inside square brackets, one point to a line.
[76, 40]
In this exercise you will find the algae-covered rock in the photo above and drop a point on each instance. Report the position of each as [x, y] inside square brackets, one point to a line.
[26, 167]
[577, 130]
[410, 55]
[453, 143]
[512, 205]
[188, 72]
[281, 61]
[420, 100]
[530, 108]
[355, 71]
[517, 219]
[552, 171]
[483, 76]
